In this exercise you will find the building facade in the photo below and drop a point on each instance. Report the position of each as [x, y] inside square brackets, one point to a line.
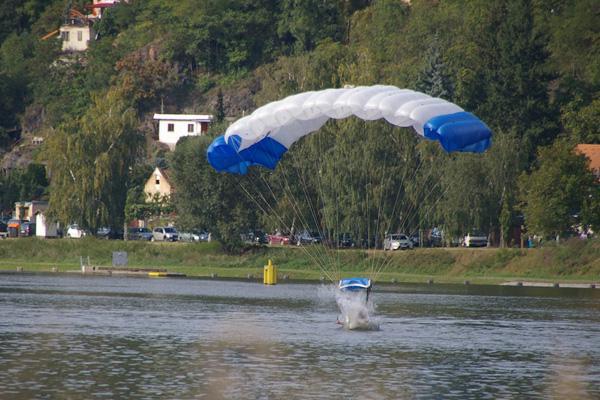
[172, 127]
[76, 37]
[27, 210]
[158, 186]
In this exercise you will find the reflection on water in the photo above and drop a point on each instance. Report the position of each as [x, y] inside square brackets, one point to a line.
[102, 337]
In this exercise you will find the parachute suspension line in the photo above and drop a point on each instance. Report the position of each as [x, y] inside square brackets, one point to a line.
[431, 208]
[297, 211]
[370, 160]
[298, 214]
[382, 201]
[374, 260]
[384, 267]
[413, 210]
[331, 218]
[264, 211]
[401, 187]
[411, 205]
[328, 218]
[320, 249]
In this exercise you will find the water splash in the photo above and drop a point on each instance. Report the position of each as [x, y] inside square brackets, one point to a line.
[356, 311]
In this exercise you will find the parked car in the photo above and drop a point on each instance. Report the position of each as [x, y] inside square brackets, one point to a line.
[416, 241]
[139, 234]
[254, 238]
[14, 226]
[165, 234]
[475, 238]
[3, 229]
[397, 241]
[345, 240]
[109, 233]
[306, 237]
[27, 229]
[204, 236]
[435, 238]
[194, 235]
[75, 232]
[278, 238]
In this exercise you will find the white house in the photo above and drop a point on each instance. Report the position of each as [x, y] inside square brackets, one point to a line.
[172, 127]
[43, 228]
[76, 37]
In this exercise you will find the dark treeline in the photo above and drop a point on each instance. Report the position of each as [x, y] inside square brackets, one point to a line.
[530, 69]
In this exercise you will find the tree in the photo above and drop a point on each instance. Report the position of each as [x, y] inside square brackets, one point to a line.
[434, 79]
[304, 23]
[220, 109]
[33, 182]
[503, 74]
[206, 199]
[90, 161]
[558, 189]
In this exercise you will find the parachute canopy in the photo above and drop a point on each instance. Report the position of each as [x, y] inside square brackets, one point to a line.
[354, 284]
[262, 137]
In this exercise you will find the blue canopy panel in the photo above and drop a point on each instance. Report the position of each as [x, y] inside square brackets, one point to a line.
[224, 157]
[354, 284]
[266, 152]
[460, 131]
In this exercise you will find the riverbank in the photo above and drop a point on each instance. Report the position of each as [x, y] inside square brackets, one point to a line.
[573, 261]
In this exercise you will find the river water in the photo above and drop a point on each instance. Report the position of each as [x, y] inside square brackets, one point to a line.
[72, 337]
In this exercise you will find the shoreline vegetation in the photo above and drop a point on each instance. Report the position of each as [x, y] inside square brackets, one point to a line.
[572, 261]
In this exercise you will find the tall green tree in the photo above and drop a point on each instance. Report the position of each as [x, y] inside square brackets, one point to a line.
[435, 79]
[220, 108]
[209, 200]
[304, 23]
[560, 187]
[504, 76]
[90, 161]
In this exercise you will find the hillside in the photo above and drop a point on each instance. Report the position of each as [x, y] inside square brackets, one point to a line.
[530, 70]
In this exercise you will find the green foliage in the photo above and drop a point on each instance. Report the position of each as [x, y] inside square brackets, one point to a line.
[503, 73]
[558, 188]
[582, 119]
[220, 108]
[25, 184]
[434, 79]
[304, 23]
[575, 260]
[212, 201]
[90, 161]
[17, 16]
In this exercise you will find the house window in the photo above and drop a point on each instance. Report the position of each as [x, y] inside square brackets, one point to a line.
[157, 180]
[171, 127]
[79, 36]
[203, 127]
[65, 36]
[191, 128]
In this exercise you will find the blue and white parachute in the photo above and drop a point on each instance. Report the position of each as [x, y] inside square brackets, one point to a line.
[262, 137]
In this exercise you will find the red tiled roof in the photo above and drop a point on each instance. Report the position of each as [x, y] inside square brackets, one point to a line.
[591, 151]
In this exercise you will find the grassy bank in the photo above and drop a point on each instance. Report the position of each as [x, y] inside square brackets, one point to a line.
[572, 261]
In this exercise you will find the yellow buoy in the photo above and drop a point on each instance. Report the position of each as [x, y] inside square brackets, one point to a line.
[270, 274]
